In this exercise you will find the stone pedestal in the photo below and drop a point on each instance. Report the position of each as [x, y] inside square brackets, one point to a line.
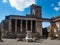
[19, 37]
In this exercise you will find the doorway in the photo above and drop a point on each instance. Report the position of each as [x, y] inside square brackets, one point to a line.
[45, 30]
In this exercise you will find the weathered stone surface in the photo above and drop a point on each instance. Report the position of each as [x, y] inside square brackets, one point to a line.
[58, 34]
[30, 37]
[19, 37]
[1, 37]
[39, 42]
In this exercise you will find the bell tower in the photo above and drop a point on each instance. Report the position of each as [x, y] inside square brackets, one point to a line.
[36, 10]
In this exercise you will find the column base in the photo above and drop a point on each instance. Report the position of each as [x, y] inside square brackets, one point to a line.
[1, 40]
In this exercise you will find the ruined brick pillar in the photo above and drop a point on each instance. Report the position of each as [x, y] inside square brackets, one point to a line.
[59, 30]
[59, 24]
[2, 29]
[36, 10]
[10, 26]
[52, 30]
[26, 25]
[39, 28]
[16, 25]
[21, 25]
[1, 36]
[31, 25]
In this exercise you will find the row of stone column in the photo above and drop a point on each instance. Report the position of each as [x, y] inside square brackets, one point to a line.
[10, 30]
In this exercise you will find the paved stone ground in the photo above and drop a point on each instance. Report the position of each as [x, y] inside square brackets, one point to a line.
[40, 42]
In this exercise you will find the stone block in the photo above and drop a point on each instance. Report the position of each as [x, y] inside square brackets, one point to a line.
[19, 37]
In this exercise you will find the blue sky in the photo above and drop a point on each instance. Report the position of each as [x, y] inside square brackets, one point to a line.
[50, 8]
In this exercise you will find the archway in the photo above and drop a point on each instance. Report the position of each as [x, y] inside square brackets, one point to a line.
[45, 30]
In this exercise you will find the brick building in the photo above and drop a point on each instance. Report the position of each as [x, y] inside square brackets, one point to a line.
[14, 24]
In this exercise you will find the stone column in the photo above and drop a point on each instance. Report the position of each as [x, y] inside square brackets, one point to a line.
[26, 26]
[39, 28]
[1, 37]
[31, 25]
[59, 25]
[59, 30]
[10, 26]
[36, 27]
[21, 25]
[2, 29]
[15, 25]
[52, 27]
[52, 30]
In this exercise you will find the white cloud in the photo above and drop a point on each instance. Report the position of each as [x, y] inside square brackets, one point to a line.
[21, 4]
[4, 1]
[58, 3]
[56, 8]
[52, 4]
